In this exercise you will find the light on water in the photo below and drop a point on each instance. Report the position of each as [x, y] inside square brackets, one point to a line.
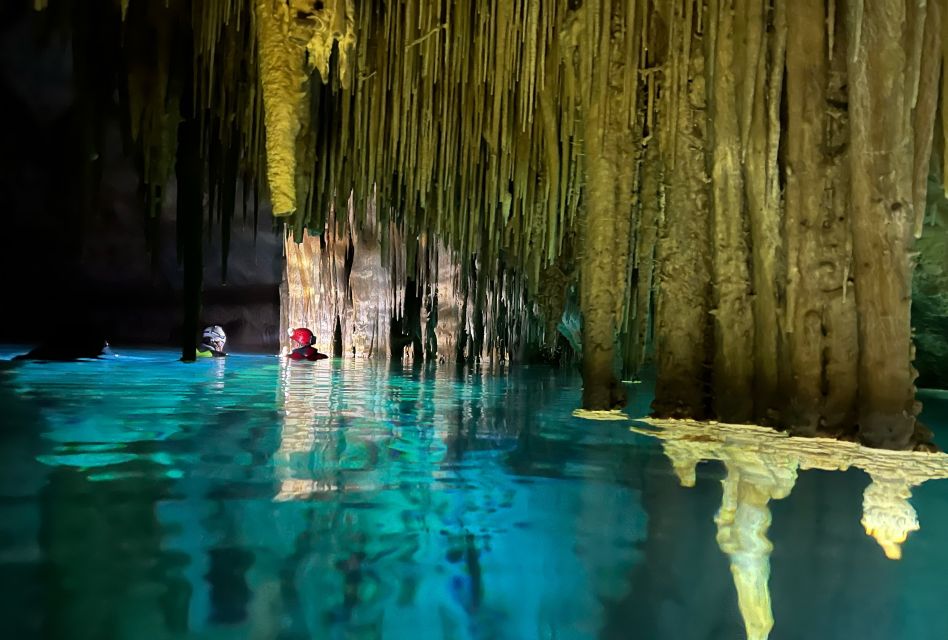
[249, 497]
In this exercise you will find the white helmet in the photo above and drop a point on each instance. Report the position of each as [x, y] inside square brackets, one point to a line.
[214, 335]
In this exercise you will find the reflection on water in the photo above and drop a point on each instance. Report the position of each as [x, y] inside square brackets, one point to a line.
[259, 498]
[416, 527]
[761, 465]
[250, 497]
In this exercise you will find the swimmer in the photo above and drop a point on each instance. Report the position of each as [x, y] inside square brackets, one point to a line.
[212, 343]
[304, 338]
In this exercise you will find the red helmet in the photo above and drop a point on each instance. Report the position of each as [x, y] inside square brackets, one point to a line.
[304, 336]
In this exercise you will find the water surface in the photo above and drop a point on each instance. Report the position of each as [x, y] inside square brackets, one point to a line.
[250, 497]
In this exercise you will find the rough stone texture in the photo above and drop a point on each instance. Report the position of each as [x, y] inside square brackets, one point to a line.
[760, 140]
[328, 279]
[733, 362]
[682, 253]
[820, 326]
[646, 237]
[880, 86]
[606, 221]
[324, 284]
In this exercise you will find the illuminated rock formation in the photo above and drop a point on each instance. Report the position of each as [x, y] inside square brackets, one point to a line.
[762, 465]
[295, 38]
[887, 515]
[743, 163]
[351, 279]
[743, 520]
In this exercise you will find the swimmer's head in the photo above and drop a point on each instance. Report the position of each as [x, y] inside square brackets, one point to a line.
[215, 337]
[302, 336]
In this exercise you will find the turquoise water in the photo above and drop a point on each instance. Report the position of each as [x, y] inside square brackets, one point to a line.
[254, 498]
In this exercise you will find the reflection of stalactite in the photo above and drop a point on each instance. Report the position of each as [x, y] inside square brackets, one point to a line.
[887, 515]
[753, 479]
[761, 466]
[742, 522]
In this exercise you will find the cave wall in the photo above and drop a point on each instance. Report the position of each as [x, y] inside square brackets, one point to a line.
[64, 267]
[385, 299]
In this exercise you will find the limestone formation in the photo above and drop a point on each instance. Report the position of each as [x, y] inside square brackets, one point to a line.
[757, 168]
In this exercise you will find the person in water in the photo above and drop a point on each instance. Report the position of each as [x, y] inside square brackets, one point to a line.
[79, 345]
[212, 343]
[305, 350]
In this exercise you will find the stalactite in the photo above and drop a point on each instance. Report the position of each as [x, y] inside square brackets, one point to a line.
[943, 10]
[806, 99]
[840, 337]
[608, 208]
[552, 296]
[410, 329]
[282, 76]
[153, 95]
[337, 346]
[481, 270]
[381, 304]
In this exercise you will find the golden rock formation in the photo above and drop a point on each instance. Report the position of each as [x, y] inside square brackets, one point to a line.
[294, 39]
[767, 156]
[762, 465]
